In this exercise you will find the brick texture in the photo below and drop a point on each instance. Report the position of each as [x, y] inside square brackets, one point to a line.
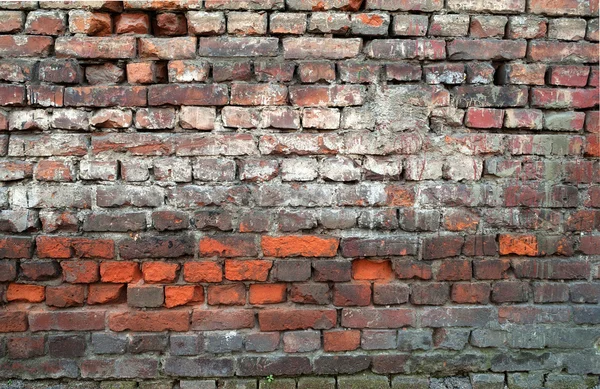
[202, 194]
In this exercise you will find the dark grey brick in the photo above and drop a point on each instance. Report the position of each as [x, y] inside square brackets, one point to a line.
[223, 342]
[237, 383]
[451, 338]
[316, 383]
[532, 380]
[364, 381]
[103, 343]
[487, 381]
[144, 343]
[199, 367]
[415, 339]
[197, 384]
[291, 270]
[66, 346]
[186, 344]
[146, 296]
[262, 342]
[378, 339]
[410, 382]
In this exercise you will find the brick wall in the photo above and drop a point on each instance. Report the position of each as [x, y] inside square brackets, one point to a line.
[373, 194]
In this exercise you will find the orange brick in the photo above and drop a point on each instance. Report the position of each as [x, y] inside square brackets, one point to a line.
[120, 272]
[182, 295]
[160, 272]
[22, 292]
[205, 271]
[364, 269]
[299, 246]
[267, 293]
[253, 270]
[518, 244]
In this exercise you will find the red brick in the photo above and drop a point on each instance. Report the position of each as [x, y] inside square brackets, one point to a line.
[13, 321]
[550, 292]
[327, 96]
[132, 23]
[553, 51]
[442, 246]
[471, 293]
[413, 269]
[551, 269]
[8, 270]
[399, 49]
[311, 72]
[80, 320]
[25, 347]
[90, 23]
[296, 319]
[95, 48]
[321, 48]
[12, 95]
[486, 49]
[25, 46]
[348, 295]
[454, 270]
[258, 94]
[341, 340]
[491, 269]
[510, 291]
[569, 75]
[299, 246]
[155, 321]
[15, 247]
[592, 145]
[170, 24]
[232, 294]
[141, 73]
[561, 7]
[435, 293]
[222, 319]
[45, 23]
[64, 296]
[534, 315]
[522, 74]
[168, 48]
[176, 94]
[310, 293]
[105, 293]
[590, 245]
[484, 118]
[58, 171]
[80, 272]
[238, 47]
[105, 96]
[228, 246]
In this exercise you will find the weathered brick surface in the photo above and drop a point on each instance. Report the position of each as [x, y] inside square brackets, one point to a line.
[207, 193]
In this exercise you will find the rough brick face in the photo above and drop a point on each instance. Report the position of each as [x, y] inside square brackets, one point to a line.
[400, 193]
